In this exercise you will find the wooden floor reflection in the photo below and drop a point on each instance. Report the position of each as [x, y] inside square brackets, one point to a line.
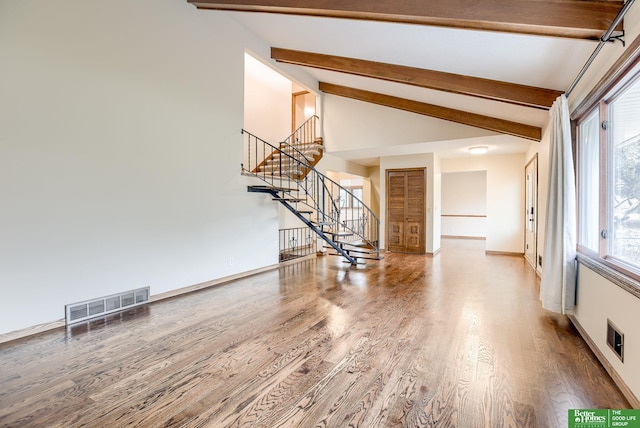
[455, 340]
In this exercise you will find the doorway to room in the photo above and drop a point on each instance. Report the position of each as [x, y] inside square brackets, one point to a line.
[531, 211]
[303, 106]
[406, 202]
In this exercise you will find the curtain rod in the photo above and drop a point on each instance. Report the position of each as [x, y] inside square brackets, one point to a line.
[604, 39]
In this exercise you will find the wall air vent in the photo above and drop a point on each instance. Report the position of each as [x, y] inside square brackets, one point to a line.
[615, 340]
[82, 311]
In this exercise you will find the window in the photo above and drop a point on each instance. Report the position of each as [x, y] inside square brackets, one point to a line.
[624, 183]
[349, 201]
[589, 168]
[608, 160]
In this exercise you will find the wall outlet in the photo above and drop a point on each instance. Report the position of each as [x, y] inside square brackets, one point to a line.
[231, 261]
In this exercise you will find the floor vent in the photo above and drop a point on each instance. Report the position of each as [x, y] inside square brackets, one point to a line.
[88, 309]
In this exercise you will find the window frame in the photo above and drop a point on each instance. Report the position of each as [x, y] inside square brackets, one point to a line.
[599, 100]
[349, 201]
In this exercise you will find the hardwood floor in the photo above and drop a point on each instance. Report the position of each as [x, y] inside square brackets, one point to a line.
[455, 340]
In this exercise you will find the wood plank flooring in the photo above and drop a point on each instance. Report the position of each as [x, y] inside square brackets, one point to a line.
[455, 340]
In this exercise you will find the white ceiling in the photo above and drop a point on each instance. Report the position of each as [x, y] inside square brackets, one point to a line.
[540, 61]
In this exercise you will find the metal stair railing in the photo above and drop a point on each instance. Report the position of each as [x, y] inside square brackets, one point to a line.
[302, 145]
[316, 191]
[303, 137]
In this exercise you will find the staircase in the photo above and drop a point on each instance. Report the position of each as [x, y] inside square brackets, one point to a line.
[288, 175]
[295, 160]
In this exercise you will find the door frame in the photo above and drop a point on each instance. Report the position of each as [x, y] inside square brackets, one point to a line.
[532, 162]
[294, 97]
[424, 208]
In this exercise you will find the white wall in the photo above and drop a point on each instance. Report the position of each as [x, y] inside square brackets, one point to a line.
[351, 124]
[607, 57]
[267, 102]
[120, 153]
[464, 198]
[432, 164]
[267, 115]
[598, 300]
[505, 197]
[336, 164]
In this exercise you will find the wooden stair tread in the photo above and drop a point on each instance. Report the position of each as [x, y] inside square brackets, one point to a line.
[274, 188]
[359, 244]
[358, 258]
[287, 199]
[349, 251]
[337, 233]
[322, 223]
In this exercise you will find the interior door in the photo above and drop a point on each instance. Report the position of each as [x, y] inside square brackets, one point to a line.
[531, 212]
[406, 195]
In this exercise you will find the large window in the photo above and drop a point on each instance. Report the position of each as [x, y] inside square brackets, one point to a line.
[608, 159]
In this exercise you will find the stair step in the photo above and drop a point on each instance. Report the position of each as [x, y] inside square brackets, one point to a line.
[285, 174]
[350, 250]
[318, 140]
[304, 211]
[300, 146]
[276, 168]
[274, 188]
[294, 200]
[294, 159]
[338, 232]
[324, 223]
[358, 244]
[287, 161]
[293, 152]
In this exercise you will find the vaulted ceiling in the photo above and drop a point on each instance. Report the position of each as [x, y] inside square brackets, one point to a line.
[496, 65]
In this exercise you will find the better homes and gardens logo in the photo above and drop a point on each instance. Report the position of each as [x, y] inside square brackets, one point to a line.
[588, 418]
[603, 418]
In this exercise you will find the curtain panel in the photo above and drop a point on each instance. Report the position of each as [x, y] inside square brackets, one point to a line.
[558, 285]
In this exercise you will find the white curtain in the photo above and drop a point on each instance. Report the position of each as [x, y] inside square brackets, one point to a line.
[557, 289]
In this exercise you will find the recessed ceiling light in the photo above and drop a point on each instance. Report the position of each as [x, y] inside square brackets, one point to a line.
[478, 150]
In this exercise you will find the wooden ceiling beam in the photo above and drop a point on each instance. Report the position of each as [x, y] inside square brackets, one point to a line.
[512, 93]
[472, 119]
[569, 18]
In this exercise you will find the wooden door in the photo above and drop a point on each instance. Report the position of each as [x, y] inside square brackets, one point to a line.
[406, 195]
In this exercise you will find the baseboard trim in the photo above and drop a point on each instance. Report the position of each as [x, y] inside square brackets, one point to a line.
[46, 327]
[31, 331]
[629, 395]
[224, 280]
[503, 253]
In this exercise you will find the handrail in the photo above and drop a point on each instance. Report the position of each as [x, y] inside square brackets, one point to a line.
[312, 120]
[317, 188]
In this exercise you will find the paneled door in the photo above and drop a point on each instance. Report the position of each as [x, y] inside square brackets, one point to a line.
[406, 197]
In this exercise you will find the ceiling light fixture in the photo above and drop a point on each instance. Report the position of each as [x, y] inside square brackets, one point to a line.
[478, 150]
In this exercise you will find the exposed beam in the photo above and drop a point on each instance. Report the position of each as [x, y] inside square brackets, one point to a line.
[472, 119]
[570, 18]
[512, 93]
